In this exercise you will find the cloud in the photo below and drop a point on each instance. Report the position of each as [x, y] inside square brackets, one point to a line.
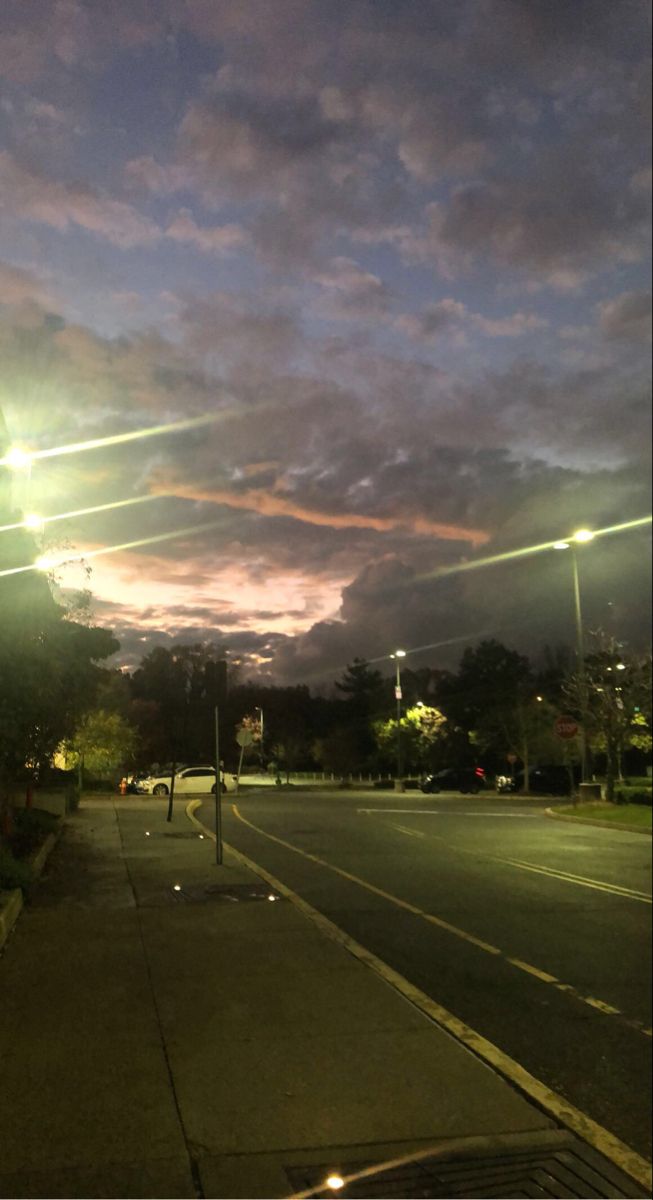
[434, 320]
[279, 505]
[27, 195]
[627, 317]
[451, 316]
[563, 220]
[18, 286]
[220, 239]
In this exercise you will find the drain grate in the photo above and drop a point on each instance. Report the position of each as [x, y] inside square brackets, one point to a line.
[571, 1169]
[227, 893]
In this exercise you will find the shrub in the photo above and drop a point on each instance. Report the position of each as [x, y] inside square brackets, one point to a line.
[31, 826]
[628, 794]
[14, 874]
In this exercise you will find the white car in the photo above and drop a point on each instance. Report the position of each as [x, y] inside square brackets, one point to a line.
[190, 779]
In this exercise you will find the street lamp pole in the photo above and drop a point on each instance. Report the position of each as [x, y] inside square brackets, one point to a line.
[397, 655]
[260, 712]
[583, 535]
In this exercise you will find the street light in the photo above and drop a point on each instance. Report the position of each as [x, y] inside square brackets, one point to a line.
[260, 710]
[17, 459]
[397, 655]
[581, 536]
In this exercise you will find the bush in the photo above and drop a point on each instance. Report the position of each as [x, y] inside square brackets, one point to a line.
[13, 874]
[100, 785]
[628, 794]
[31, 826]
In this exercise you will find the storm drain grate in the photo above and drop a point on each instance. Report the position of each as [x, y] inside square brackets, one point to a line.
[572, 1170]
[228, 893]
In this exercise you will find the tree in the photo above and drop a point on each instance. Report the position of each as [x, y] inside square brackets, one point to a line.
[365, 692]
[492, 698]
[617, 687]
[339, 751]
[185, 682]
[102, 742]
[423, 730]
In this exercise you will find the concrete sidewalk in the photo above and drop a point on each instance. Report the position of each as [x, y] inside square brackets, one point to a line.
[196, 1042]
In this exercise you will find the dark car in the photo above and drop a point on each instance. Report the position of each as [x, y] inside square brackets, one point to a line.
[456, 779]
[552, 781]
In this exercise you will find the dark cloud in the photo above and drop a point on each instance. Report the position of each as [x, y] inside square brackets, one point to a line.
[627, 316]
[398, 250]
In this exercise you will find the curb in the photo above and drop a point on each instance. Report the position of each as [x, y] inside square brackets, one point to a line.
[600, 824]
[11, 903]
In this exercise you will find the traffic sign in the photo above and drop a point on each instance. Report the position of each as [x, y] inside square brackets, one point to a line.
[511, 758]
[566, 727]
[244, 737]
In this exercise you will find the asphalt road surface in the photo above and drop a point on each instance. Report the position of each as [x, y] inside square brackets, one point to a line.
[534, 932]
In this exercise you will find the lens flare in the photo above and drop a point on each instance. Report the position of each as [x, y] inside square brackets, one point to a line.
[17, 458]
[32, 521]
[48, 562]
[525, 551]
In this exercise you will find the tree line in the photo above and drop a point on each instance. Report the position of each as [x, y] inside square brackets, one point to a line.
[58, 703]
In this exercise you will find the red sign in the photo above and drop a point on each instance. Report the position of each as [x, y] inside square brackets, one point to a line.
[565, 727]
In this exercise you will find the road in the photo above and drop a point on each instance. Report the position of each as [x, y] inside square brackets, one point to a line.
[534, 932]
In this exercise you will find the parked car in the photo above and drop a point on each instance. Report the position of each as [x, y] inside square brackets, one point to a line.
[135, 779]
[553, 780]
[456, 779]
[189, 779]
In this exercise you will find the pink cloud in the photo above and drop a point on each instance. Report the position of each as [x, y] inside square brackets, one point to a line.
[220, 239]
[27, 195]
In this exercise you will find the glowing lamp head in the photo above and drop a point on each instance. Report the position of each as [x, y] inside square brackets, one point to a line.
[561, 545]
[583, 535]
[45, 562]
[399, 654]
[17, 459]
[33, 521]
[335, 1182]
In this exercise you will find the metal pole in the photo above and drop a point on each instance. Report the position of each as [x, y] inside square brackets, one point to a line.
[582, 677]
[398, 697]
[218, 790]
[172, 789]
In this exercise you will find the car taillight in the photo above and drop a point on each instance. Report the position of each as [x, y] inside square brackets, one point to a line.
[479, 771]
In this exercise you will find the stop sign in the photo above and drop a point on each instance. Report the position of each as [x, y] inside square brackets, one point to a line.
[565, 727]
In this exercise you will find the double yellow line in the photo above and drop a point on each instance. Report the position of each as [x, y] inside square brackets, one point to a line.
[591, 1001]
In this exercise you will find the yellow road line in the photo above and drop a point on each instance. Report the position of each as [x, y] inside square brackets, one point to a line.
[567, 877]
[519, 964]
[598, 885]
[552, 1103]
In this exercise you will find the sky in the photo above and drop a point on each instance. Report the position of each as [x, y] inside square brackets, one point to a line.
[392, 257]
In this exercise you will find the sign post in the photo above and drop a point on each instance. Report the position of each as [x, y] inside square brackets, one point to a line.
[218, 792]
[244, 737]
